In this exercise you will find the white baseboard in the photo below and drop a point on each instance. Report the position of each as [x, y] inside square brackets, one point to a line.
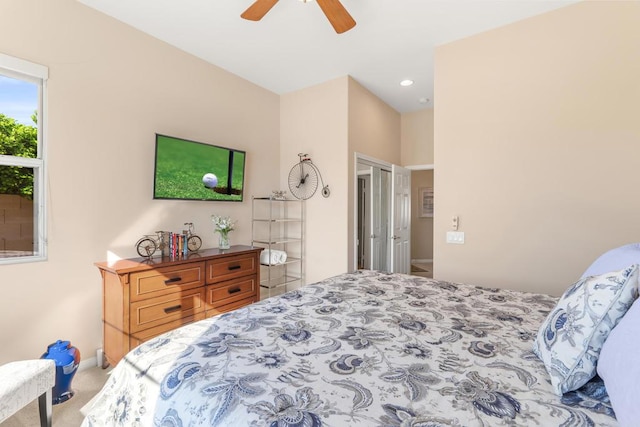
[421, 260]
[88, 363]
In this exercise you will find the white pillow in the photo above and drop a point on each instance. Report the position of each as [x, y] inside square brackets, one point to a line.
[614, 260]
[619, 368]
[570, 339]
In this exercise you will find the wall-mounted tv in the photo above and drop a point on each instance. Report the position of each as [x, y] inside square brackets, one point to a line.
[189, 170]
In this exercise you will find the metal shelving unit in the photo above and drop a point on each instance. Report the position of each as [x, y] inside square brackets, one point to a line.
[278, 224]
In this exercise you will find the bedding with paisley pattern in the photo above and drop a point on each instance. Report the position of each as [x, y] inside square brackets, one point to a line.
[360, 349]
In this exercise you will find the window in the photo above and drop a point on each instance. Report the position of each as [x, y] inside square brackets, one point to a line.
[22, 161]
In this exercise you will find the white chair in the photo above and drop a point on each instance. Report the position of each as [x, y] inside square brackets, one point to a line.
[24, 381]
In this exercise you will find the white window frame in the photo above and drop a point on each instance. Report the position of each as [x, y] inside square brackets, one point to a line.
[38, 74]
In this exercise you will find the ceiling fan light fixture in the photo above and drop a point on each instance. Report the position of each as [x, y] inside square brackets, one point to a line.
[406, 82]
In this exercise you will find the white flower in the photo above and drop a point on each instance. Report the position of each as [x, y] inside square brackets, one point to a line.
[223, 224]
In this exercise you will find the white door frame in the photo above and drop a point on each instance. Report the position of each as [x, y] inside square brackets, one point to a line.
[421, 167]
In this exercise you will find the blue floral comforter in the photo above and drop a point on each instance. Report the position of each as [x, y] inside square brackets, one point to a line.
[360, 349]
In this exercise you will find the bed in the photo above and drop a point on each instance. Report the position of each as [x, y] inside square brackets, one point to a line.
[360, 349]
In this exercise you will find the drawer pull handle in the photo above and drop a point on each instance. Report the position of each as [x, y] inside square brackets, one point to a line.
[234, 267]
[172, 309]
[173, 280]
[234, 290]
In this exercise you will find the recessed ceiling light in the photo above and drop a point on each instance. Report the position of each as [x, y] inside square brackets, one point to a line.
[406, 82]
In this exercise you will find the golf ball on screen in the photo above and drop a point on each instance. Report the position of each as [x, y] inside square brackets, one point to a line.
[210, 180]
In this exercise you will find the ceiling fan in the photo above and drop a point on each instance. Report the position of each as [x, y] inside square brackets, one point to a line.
[333, 9]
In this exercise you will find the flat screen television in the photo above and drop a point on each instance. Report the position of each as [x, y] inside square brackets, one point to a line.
[190, 170]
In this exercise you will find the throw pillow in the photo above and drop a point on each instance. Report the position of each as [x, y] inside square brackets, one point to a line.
[619, 368]
[570, 339]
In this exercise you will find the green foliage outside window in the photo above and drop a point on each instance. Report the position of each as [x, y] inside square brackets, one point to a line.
[17, 139]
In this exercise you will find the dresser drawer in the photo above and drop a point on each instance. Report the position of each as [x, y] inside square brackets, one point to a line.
[219, 270]
[139, 337]
[232, 290]
[214, 311]
[164, 309]
[163, 281]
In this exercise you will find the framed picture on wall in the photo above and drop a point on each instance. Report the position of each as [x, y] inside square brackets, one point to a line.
[426, 202]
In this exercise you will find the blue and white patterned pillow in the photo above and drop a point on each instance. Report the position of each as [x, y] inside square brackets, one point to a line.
[570, 339]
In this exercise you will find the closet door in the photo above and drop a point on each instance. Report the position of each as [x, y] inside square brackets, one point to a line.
[401, 220]
[377, 238]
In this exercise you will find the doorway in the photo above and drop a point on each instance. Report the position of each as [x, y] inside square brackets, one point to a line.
[422, 237]
[383, 216]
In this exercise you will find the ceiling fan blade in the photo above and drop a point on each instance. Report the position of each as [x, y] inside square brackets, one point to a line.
[257, 10]
[337, 15]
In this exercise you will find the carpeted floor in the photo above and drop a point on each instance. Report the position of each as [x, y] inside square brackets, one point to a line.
[424, 269]
[86, 384]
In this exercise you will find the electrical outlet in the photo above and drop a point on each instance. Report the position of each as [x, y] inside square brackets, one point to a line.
[455, 237]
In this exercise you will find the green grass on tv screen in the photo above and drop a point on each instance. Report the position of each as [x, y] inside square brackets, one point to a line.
[181, 165]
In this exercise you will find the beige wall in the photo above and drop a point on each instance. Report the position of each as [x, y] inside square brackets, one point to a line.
[537, 141]
[421, 227]
[374, 127]
[417, 138]
[110, 89]
[314, 121]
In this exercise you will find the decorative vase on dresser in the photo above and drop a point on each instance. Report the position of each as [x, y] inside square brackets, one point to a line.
[143, 298]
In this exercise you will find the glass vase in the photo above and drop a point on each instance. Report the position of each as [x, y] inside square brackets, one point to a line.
[223, 241]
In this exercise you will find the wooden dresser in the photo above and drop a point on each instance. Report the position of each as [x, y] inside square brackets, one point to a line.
[143, 298]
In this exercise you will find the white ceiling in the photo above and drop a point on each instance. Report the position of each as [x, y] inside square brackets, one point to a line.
[294, 46]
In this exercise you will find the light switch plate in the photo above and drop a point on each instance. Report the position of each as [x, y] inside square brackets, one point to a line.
[455, 237]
